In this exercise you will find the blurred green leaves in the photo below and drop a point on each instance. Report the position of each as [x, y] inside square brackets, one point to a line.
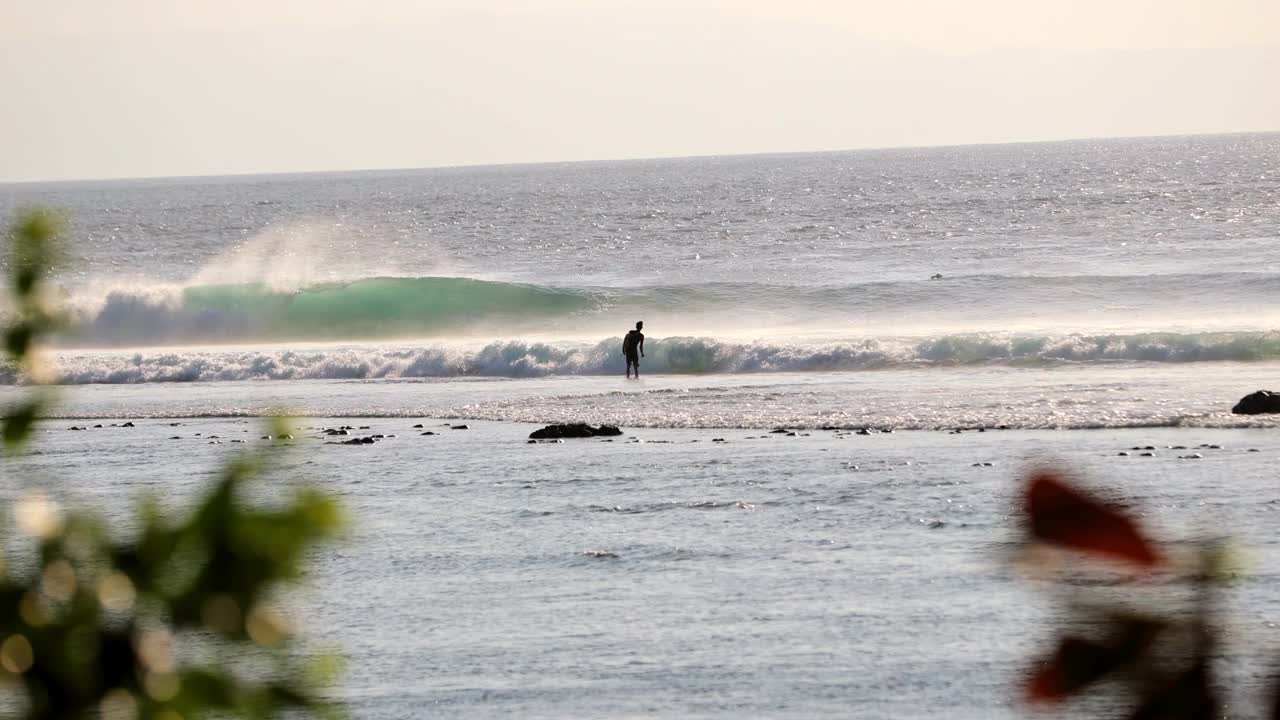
[35, 253]
[182, 621]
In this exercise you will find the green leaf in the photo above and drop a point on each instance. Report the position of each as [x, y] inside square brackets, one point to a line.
[38, 225]
[34, 249]
[19, 421]
[17, 340]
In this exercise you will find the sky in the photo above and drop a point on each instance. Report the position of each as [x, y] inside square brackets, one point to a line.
[141, 88]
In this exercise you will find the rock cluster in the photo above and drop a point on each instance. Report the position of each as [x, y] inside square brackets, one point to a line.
[573, 430]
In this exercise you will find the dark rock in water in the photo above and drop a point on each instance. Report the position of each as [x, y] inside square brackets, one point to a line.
[829, 427]
[1263, 401]
[864, 431]
[574, 430]
[418, 426]
[1147, 454]
[1254, 450]
[96, 426]
[75, 427]
[1192, 456]
[128, 424]
[428, 433]
[1123, 454]
[533, 442]
[331, 431]
[357, 441]
[176, 437]
[779, 431]
[791, 434]
[459, 427]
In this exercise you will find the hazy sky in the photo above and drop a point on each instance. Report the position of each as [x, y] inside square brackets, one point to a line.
[158, 87]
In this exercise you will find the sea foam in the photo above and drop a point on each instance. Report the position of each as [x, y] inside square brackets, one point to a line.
[672, 355]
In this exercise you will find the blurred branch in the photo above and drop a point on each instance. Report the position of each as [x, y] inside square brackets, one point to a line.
[97, 627]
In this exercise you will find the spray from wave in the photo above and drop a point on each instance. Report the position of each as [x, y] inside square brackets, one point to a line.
[383, 307]
[675, 355]
[268, 311]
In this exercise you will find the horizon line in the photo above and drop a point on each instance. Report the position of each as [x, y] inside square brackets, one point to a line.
[624, 159]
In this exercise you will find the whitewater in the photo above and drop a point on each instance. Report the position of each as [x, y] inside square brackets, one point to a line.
[965, 262]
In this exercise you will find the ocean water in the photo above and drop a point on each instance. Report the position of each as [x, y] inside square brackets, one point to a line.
[1093, 296]
[1146, 267]
[822, 575]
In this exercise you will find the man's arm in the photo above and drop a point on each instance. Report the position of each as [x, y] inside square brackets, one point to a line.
[641, 346]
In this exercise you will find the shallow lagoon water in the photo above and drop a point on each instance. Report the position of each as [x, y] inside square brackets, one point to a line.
[821, 575]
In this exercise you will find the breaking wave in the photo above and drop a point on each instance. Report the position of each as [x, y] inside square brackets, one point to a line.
[674, 355]
[384, 307]
[389, 308]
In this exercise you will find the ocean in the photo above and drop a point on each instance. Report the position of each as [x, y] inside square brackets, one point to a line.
[1072, 300]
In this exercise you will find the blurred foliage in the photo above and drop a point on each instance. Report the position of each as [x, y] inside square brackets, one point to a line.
[180, 622]
[35, 253]
[1142, 635]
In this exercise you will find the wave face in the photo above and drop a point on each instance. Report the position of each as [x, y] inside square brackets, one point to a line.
[383, 307]
[387, 308]
[676, 355]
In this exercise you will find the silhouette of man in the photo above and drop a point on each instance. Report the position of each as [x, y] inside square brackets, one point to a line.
[633, 349]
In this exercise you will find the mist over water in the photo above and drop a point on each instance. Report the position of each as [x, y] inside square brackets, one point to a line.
[423, 308]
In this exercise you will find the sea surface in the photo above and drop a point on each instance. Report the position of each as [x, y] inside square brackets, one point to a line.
[1073, 300]
[1159, 251]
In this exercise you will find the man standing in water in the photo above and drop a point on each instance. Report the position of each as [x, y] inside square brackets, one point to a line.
[633, 349]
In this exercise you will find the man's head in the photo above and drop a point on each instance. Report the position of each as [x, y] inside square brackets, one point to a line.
[640, 325]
